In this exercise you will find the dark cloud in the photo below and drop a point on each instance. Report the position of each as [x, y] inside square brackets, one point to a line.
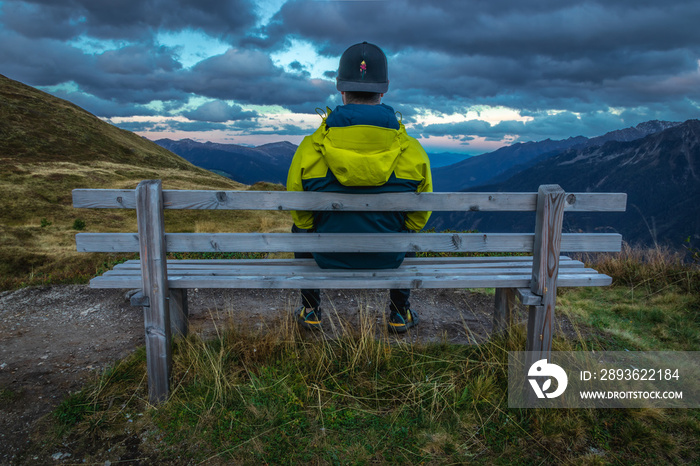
[245, 125]
[42, 62]
[141, 126]
[535, 83]
[170, 126]
[104, 108]
[296, 66]
[139, 59]
[41, 20]
[249, 76]
[497, 28]
[542, 126]
[299, 69]
[127, 19]
[218, 111]
[196, 126]
[136, 74]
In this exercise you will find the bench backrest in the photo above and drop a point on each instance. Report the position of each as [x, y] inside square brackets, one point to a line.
[149, 200]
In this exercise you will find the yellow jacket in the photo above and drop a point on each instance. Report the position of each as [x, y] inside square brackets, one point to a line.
[343, 159]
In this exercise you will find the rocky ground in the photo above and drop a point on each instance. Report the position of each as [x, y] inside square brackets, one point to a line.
[54, 339]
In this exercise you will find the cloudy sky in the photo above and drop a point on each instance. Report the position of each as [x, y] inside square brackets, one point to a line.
[467, 75]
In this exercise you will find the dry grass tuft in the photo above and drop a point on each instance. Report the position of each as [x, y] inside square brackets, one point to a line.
[652, 269]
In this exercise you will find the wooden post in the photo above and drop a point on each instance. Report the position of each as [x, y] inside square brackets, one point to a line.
[545, 268]
[149, 214]
[504, 307]
[179, 312]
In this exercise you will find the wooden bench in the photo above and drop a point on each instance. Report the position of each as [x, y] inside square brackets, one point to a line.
[163, 283]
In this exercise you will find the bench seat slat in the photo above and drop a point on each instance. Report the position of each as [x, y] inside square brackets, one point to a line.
[367, 275]
[330, 281]
[348, 242]
[408, 260]
[442, 261]
[310, 264]
[276, 200]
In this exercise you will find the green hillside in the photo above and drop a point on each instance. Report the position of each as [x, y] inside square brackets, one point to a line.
[48, 147]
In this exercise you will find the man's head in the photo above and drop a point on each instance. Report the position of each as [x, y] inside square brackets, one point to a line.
[363, 75]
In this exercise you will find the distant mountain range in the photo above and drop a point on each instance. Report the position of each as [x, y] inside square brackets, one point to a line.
[507, 161]
[269, 162]
[659, 172]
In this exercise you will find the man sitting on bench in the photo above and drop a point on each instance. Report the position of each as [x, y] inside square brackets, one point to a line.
[360, 147]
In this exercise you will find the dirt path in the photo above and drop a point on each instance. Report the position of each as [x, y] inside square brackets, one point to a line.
[54, 339]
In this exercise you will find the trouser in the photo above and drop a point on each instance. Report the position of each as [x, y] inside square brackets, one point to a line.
[311, 298]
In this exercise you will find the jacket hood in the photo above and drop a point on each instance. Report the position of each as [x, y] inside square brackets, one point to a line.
[361, 155]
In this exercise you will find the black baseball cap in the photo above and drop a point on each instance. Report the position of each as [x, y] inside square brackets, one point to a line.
[363, 68]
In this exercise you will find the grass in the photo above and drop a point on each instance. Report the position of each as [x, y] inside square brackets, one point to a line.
[276, 395]
[634, 320]
[652, 270]
[38, 222]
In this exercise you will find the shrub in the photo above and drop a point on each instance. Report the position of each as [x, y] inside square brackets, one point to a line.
[79, 224]
[45, 223]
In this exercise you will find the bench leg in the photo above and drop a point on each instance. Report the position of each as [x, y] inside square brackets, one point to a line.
[545, 269]
[539, 340]
[158, 351]
[504, 307]
[179, 312]
[539, 332]
[149, 216]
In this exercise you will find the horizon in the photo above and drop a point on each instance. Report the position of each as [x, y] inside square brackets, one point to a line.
[476, 78]
[429, 152]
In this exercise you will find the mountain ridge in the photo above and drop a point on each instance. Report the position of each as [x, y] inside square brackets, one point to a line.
[660, 174]
[266, 163]
[504, 162]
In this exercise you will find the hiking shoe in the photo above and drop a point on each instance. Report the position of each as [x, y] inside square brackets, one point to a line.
[400, 322]
[308, 317]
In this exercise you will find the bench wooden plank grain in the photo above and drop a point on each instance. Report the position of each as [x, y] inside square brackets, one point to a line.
[348, 242]
[276, 200]
[545, 269]
[357, 283]
[310, 270]
[149, 213]
[294, 265]
[369, 275]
